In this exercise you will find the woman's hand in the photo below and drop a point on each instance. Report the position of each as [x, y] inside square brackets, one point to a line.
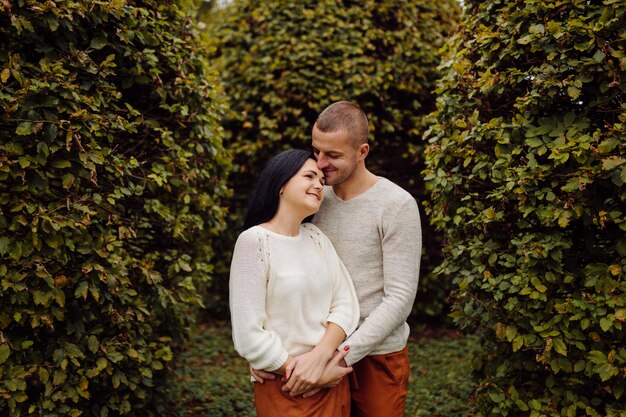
[305, 371]
[334, 371]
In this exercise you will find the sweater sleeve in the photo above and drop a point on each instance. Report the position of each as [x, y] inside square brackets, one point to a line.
[344, 307]
[248, 282]
[401, 248]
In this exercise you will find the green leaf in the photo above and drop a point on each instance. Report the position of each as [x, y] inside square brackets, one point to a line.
[573, 92]
[607, 371]
[115, 357]
[4, 245]
[53, 23]
[608, 145]
[54, 241]
[579, 366]
[496, 397]
[606, 323]
[51, 131]
[68, 180]
[559, 346]
[59, 377]
[518, 342]
[511, 332]
[98, 42]
[44, 375]
[92, 344]
[612, 162]
[4, 75]
[599, 56]
[24, 161]
[81, 289]
[61, 163]
[534, 142]
[597, 357]
[5, 352]
[24, 128]
[538, 285]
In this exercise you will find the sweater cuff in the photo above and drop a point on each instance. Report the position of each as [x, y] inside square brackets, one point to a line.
[350, 357]
[345, 324]
[278, 362]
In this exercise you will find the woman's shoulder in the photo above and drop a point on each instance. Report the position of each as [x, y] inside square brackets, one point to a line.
[250, 237]
[311, 230]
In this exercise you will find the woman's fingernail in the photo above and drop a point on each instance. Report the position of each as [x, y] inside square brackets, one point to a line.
[346, 348]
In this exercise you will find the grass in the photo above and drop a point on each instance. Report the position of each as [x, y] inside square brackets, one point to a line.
[213, 380]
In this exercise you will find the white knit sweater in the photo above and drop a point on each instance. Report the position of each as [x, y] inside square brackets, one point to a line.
[283, 292]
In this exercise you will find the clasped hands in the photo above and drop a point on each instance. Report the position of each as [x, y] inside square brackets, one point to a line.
[309, 373]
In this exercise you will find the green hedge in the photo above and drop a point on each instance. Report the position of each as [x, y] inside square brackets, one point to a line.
[282, 62]
[111, 181]
[526, 166]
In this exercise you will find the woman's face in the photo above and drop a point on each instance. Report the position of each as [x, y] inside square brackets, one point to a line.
[304, 192]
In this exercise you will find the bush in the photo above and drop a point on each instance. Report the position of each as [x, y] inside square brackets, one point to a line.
[526, 166]
[282, 62]
[111, 179]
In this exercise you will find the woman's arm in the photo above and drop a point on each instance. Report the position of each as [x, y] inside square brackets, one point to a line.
[248, 281]
[306, 369]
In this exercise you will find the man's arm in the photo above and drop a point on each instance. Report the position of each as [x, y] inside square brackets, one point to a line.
[401, 248]
[260, 375]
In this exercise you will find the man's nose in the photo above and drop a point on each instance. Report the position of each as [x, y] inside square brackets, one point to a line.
[321, 161]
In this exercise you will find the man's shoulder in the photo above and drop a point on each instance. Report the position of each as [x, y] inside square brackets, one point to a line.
[392, 192]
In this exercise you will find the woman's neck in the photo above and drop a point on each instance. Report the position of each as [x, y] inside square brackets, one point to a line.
[284, 224]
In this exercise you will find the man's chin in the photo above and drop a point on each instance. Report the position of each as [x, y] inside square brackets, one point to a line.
[330, 179]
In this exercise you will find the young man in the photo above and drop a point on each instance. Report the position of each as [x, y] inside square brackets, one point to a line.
[375, 228]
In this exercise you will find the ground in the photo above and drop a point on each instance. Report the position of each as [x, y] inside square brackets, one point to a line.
[213, 379]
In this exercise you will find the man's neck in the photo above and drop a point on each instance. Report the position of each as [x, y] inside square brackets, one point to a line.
[355, 185]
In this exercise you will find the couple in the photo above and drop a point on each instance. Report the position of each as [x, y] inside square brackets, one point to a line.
[299, 290]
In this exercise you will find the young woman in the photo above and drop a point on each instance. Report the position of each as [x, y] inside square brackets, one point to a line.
[292, 301]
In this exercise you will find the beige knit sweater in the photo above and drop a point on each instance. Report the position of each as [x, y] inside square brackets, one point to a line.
[378, 236]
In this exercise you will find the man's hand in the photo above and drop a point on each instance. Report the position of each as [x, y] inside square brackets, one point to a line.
[259, 375]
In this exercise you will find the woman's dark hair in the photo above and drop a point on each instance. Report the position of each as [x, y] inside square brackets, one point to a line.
[266, 195]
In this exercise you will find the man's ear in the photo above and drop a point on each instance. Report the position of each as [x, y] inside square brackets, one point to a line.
[364, 150]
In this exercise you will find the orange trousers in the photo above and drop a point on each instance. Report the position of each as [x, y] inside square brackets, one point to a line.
[271, 401]
[379, 385]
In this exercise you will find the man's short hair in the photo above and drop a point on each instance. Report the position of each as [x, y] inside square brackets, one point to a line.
[345, 116]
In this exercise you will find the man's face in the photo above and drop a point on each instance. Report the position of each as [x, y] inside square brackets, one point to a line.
[336, 157]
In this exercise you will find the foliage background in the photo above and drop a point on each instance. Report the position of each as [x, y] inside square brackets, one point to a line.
[111, 185]
[526, 166]
[283, 62]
